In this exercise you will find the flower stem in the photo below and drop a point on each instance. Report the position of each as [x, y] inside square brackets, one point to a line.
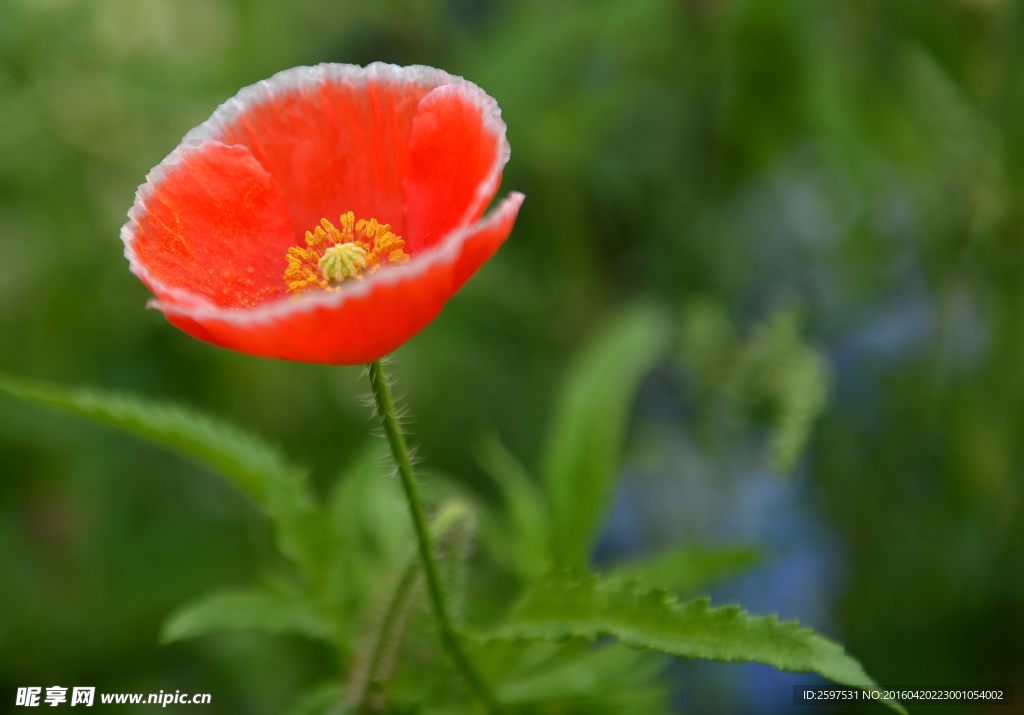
[449, 638]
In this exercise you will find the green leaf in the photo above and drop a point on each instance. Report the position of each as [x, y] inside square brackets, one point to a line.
[241, 457]
[688, 569]
[247, 610]
[562, 606]
[244, 459]
[369, 517]
[592, 673]
[520, 538]
[324, 699]
[591, 415]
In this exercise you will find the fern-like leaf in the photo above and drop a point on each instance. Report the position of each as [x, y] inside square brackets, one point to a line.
[259, 470]
[563, 606]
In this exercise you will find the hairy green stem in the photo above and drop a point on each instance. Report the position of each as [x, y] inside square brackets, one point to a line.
[449, 638]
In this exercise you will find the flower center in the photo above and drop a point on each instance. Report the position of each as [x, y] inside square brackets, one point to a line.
[345, 260]
[333, 255]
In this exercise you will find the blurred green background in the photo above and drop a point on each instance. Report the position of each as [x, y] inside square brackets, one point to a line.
[855, 162]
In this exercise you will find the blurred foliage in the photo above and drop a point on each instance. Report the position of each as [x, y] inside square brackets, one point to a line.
[388, 659]
[774, 372]
[864, 156]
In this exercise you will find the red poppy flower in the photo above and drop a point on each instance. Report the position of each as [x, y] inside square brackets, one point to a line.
[235, 234]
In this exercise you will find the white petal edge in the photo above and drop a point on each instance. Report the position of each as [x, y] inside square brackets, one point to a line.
[297, 79]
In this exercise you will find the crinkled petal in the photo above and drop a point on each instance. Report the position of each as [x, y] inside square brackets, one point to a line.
[456, 153]
[336, 137]
[364, 321]
[211, 226]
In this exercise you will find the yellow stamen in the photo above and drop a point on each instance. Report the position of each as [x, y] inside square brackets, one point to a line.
[333, 255]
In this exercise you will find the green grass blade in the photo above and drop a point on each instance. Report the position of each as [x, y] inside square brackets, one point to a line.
[589, 425]
[519, 537]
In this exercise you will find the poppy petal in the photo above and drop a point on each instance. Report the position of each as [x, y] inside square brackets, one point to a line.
[336, 137]
[210, 225]
[456, 153]
[359, 324]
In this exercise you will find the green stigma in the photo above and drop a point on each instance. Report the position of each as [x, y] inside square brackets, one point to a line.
[342, 261]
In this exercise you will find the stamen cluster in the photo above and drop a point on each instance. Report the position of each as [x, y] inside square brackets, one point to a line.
[333, 255]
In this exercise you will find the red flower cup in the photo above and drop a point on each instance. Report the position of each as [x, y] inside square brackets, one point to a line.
[413, 148]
